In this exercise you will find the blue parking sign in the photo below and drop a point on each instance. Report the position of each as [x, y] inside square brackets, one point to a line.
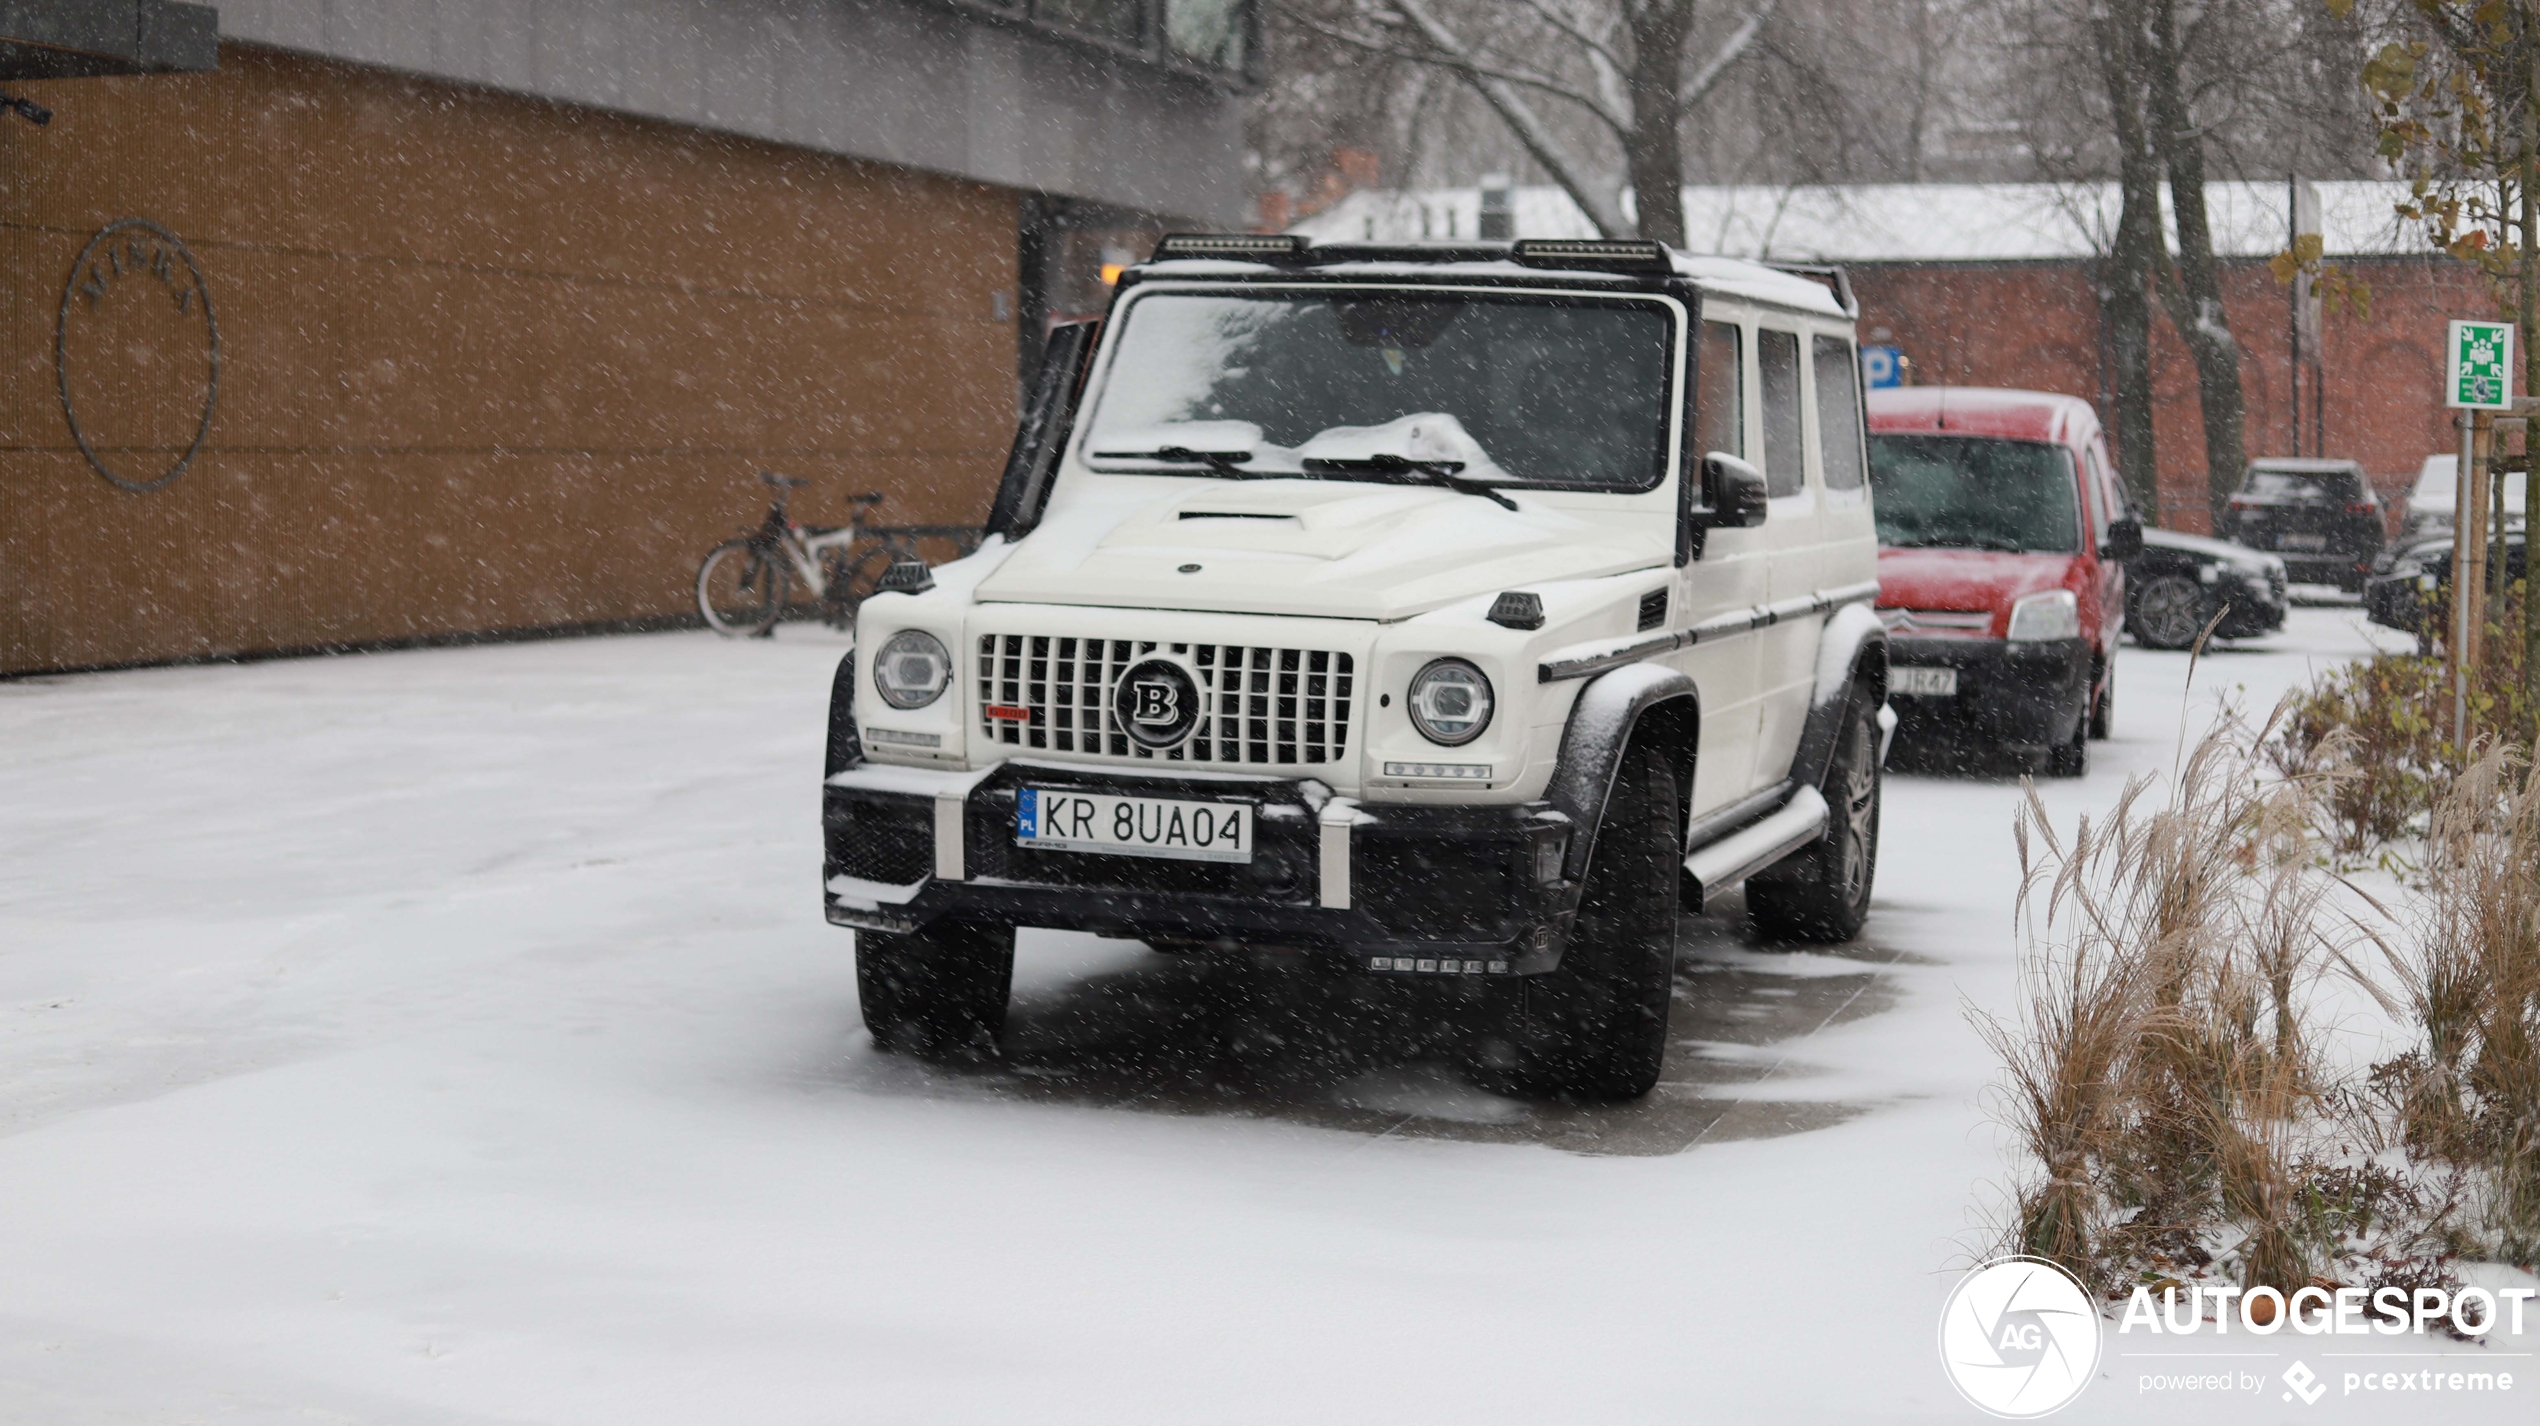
[1883, 366]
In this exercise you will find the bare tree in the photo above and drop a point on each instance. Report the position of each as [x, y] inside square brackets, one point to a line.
[1629, 67]
[2154, 92]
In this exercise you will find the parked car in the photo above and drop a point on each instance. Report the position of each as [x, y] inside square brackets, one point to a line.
[2180, 582]
[2320, 517]
[2431, 502]
[2411, 579]
[1384, 605]
[2003, 537]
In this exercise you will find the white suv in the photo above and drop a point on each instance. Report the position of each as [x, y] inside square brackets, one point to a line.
[1453, 612]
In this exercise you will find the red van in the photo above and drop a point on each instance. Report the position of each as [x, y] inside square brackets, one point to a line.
[2003, 537]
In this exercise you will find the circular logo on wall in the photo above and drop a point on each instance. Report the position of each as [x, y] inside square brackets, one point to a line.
[1156, 702]
[2019, 1338]
[136, 354]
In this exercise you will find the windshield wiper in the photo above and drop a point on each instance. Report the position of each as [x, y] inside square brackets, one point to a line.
[1435, 472]
[2007, 547]
[1227, 463]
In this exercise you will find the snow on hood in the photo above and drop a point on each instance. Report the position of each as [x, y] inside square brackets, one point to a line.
[1312, 547]
[1968, 580]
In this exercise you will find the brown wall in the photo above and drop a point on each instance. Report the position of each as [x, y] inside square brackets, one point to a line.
[2036, 325]
[485, 363]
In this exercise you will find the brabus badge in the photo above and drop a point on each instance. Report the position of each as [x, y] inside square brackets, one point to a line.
[1156, 703]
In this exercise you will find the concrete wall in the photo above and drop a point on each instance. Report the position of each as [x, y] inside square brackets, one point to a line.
[2037, 325]
[889, 80]
[485, 362]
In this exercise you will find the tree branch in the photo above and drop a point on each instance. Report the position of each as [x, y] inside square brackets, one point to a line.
[1730, 52]
[1575, 31]
[1499, 90]
[1464, 63]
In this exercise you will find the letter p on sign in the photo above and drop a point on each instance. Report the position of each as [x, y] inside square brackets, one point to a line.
[2478, 367]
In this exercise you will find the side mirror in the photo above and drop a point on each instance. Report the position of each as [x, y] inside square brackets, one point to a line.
[1734, 491]
[2124, 541]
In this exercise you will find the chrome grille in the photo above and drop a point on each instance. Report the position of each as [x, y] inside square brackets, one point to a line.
[1259, 706]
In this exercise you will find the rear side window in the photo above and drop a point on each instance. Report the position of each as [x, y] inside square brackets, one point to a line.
[1777, 359]
[1839, 413]
[1719, 415]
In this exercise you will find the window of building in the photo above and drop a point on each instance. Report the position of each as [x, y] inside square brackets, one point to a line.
[1208, 31]
[1121, 20]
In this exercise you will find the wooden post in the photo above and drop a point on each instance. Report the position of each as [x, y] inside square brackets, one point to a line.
[2469, 584]
[2458, 642]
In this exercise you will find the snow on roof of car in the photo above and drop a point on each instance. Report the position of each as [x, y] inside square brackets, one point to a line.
[1733, 277]
[2000, 412]
[1893, 222]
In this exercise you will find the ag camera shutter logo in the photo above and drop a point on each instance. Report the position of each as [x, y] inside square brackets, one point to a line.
[2019, 1338]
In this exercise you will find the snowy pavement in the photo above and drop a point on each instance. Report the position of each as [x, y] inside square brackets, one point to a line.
[453, 1036]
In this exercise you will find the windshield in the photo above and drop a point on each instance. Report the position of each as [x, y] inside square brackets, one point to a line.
[1505, 389]
[2300, 485]
[1974, 493]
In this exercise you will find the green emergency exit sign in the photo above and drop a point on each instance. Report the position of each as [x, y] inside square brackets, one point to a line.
[2478, 371]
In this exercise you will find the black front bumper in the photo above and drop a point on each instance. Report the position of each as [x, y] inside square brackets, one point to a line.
[1450, 890]
[2017, 695]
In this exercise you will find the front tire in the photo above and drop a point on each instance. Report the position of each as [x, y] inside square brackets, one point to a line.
[1823, 893]
[2169, 612]
[740, 589]
[938, 994]
[1596, 1028]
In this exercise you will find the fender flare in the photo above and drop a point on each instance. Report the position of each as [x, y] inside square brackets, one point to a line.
[1609, 711]
[1853, 650]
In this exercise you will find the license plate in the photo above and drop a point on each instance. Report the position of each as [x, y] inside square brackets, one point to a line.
[2301, 542]
[1133, 826]
[1934, 682]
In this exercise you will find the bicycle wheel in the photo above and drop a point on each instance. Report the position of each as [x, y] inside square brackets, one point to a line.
[740, 589]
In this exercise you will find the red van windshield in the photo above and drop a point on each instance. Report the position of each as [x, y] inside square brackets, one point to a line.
[1972, 492]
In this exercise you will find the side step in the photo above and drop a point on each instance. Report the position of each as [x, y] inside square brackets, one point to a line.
[1732, 859]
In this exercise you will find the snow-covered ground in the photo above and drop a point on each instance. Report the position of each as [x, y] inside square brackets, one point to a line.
[453, 1036]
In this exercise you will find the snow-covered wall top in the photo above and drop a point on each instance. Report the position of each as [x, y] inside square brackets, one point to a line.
[888, 80]
[1893, 222]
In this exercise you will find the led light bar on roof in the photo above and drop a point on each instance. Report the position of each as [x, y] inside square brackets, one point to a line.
[1627, 254]
[1257, 247]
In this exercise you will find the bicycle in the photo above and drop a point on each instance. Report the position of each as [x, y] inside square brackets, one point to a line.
[745, 586]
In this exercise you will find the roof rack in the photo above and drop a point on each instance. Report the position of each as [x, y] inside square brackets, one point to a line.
[1252, 247]
[1835, 278]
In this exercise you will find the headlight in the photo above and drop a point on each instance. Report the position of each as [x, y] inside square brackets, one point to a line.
[912, 670]
[2054, 614]
[1450, 702]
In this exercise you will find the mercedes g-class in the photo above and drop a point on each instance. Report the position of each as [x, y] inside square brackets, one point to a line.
[1456, 614]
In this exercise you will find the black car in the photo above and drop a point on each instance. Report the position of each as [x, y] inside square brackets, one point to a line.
[2319, 516]
[2177, 583]
[2400, 588]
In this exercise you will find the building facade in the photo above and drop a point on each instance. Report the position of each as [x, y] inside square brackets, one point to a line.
[410, 322]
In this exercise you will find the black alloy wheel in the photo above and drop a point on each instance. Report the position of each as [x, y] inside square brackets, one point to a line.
[1823, 893]
[2169, 612]
[1596, 1028]
[939, 993]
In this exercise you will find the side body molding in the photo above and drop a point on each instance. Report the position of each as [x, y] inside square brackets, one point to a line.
[1852, 650]
[1604, 719]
